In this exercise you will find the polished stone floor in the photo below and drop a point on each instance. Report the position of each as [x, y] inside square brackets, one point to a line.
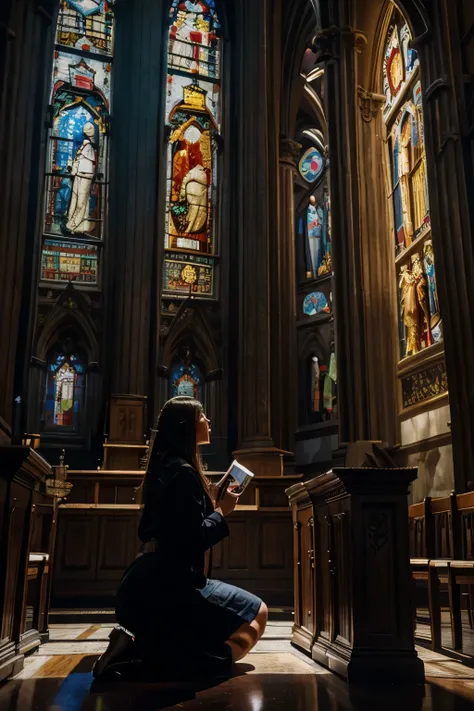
[274, 677]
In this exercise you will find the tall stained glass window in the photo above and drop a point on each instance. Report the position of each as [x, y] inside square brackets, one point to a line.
[193, 115]
[420, 322]
[64, 397]
[75, 199]
[314, 224]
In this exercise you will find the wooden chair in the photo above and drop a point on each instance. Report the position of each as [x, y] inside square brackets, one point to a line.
[461, 568]
[446, 546]
[421, 545]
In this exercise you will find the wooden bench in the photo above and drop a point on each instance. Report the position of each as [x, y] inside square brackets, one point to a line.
[461, 569]
[434, 541]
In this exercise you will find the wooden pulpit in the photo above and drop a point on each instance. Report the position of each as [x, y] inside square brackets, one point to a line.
[353, 593]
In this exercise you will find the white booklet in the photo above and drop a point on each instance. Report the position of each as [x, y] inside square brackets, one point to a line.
[237, 478]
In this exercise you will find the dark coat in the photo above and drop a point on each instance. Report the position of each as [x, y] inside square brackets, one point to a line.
[180, 517]
[158, 598]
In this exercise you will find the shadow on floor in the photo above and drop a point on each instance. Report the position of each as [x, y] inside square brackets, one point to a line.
[248, 690]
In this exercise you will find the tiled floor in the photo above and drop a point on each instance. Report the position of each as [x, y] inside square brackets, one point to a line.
[274, 676]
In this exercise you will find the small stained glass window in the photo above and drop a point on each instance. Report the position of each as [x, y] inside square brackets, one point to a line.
[315, 303]
[65, 384]
[311, 165]
[318, 234]
[186, 379]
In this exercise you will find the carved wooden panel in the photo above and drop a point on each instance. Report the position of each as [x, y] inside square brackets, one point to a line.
[275, 542]
[272, 496]
[81, 493]
[238, 546]
[380, 572]
[77, 549]
[323, 572]
[117, 545]
[306, 560]
[95, 546]
[342, 576]
[126, 420]
[14, 553]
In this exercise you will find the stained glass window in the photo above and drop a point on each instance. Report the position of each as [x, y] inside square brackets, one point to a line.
[317, 228]
[420, 323]
[77, 164]
[311, 165]
[400, 62]
[67, 261]
[315, 303]
[193, 110]
[186, 379]
[65, 385]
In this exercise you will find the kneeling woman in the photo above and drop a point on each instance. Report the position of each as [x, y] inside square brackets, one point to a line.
[180, 620]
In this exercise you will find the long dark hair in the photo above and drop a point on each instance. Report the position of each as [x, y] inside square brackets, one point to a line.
[175, 435]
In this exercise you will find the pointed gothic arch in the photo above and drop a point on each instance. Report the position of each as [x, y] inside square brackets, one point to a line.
[71, 310]
[189, 326]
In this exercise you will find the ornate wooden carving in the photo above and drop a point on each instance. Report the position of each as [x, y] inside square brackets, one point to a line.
[354, 608]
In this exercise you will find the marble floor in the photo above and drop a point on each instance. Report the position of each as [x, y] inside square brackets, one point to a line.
[274, 676]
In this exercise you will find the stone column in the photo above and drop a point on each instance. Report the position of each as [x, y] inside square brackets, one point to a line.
[379, 292]
[283, 308]
[448, 142]
[24, 76]
[336, 46]
[135, 242]
[255, 197]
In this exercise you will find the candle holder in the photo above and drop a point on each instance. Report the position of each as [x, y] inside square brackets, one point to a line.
[58, 486]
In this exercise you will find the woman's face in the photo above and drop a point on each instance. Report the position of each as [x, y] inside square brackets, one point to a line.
[203, 430]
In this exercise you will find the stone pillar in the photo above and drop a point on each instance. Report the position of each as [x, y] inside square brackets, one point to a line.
[379, 287]
[447, 143]
[283, 308]
[255, 197]
[336, 45]
[134, 245]
[24, 77]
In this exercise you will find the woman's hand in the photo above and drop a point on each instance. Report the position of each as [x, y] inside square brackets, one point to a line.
[226, 504]
[214, 489]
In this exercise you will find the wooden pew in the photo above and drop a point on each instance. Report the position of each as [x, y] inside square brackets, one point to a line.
[445, 524]
[434, 540]
[461, 569]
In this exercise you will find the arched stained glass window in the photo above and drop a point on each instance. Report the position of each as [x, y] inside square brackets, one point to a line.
[316, 226]
[65, 386]
[420, 323]
[76, 182]
[186, 379]
[193, 115]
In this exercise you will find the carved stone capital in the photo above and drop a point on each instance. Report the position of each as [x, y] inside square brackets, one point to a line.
[325, 42]
[289, 151]
[369, 104]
